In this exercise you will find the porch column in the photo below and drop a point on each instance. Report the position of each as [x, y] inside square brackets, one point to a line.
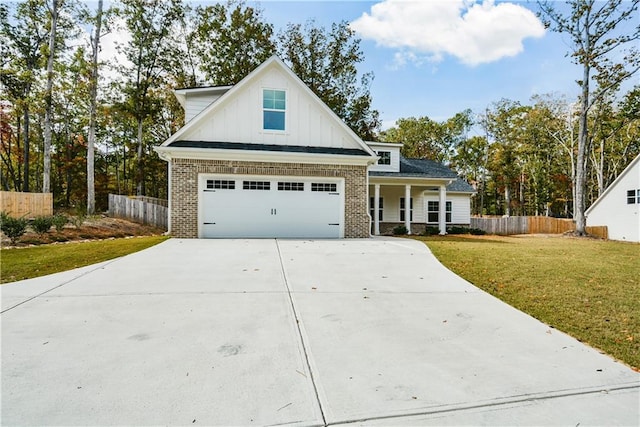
[376, 208]
[442, 215]
[407, 208]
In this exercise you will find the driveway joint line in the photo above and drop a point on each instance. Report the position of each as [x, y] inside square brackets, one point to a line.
[494, 404]
[58, 286]
[304, 345]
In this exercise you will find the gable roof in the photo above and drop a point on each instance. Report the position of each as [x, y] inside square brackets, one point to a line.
[604, 194]
[254, 75]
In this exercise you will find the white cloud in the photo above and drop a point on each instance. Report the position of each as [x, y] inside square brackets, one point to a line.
[474, 32]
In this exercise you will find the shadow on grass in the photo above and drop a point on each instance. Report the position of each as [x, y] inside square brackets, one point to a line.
[463, 238]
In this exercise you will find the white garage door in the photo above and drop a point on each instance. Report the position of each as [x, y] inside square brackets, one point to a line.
[270, 207]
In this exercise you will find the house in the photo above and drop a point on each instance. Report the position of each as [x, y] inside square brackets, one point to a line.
[267, 158]
[618, 206]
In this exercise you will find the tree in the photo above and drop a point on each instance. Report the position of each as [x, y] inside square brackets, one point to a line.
[93, 95]
[21, 47]
[607, 56]
[150, 51]
[54, 10]
[231, 40]
[425, 138]
[326, 62]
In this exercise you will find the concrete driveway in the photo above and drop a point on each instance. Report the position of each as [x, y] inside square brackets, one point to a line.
[264, 332]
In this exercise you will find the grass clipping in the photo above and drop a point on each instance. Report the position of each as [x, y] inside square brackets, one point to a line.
[585, 287]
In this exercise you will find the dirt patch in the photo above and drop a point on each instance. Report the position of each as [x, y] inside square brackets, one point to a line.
[94, 228]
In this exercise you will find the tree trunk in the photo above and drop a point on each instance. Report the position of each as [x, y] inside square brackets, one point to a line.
[46, 178]
[507, 200]
[25, 182]
[140, 164]
[583, 144]
[95, 45]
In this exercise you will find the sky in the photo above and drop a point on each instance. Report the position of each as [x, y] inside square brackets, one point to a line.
[438, 57]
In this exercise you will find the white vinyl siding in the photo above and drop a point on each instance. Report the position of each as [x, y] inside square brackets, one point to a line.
[196, 103]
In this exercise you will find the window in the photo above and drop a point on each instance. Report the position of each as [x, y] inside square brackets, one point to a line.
[402, 209]
[291, 186]
[433, 212]
[256, 185]
[323, 186]
[372, 207]
[385, 157]
[274, 105]
[220, 184]
[631, 197]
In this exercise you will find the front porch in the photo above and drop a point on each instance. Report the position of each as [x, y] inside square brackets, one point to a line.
[427, 206]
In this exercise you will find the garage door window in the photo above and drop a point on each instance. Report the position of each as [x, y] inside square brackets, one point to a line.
[290, 186]
[256, 185]
[220, 184]
[323, 186]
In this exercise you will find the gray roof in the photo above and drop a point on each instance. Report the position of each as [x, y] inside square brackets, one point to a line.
[269, 147]
[419, 168]
[424, 168]
[460, 186]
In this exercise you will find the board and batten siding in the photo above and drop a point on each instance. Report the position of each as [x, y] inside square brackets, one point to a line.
[621, 218]
[238, 118]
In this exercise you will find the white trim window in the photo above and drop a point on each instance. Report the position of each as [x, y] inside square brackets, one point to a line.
[633, 197]
[372, 207]
[402, 209]
[274, 106]
[385, 157]
[433, 212]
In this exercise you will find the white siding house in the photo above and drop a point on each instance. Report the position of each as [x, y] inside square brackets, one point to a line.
[618, 206]
[267, 158]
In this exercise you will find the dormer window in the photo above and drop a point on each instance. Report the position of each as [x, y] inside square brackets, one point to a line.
[274, 105]
[385, 157]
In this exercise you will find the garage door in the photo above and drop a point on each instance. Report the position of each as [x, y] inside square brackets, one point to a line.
[270, 207]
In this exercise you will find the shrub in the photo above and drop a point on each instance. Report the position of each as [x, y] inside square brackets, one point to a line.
[477, 232]
[431, 231]
[42, 224]
[455, 229]
[80, 216]
[13, 228]
[400, 230]
[59, 221]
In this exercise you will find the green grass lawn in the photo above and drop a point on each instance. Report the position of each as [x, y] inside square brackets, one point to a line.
[587, 288]
[25, 263]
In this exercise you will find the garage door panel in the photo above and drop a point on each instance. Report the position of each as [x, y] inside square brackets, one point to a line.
[270, 213]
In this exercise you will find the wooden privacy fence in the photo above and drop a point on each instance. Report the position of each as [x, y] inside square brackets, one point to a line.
[142, 210]
[29, 205]
[531, 225]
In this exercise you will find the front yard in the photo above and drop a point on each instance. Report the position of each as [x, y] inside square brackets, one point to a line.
[587, 288]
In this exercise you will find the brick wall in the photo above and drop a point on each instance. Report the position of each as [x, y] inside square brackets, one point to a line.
[184, 193]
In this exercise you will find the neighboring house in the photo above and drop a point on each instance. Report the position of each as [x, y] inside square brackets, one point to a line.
[267, 158]
[618, 206]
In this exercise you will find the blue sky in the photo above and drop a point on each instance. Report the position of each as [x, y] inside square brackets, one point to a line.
[439, 84]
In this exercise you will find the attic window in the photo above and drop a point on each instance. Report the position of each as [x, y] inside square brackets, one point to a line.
[385, 157]
[274, 103]
[631, 196]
